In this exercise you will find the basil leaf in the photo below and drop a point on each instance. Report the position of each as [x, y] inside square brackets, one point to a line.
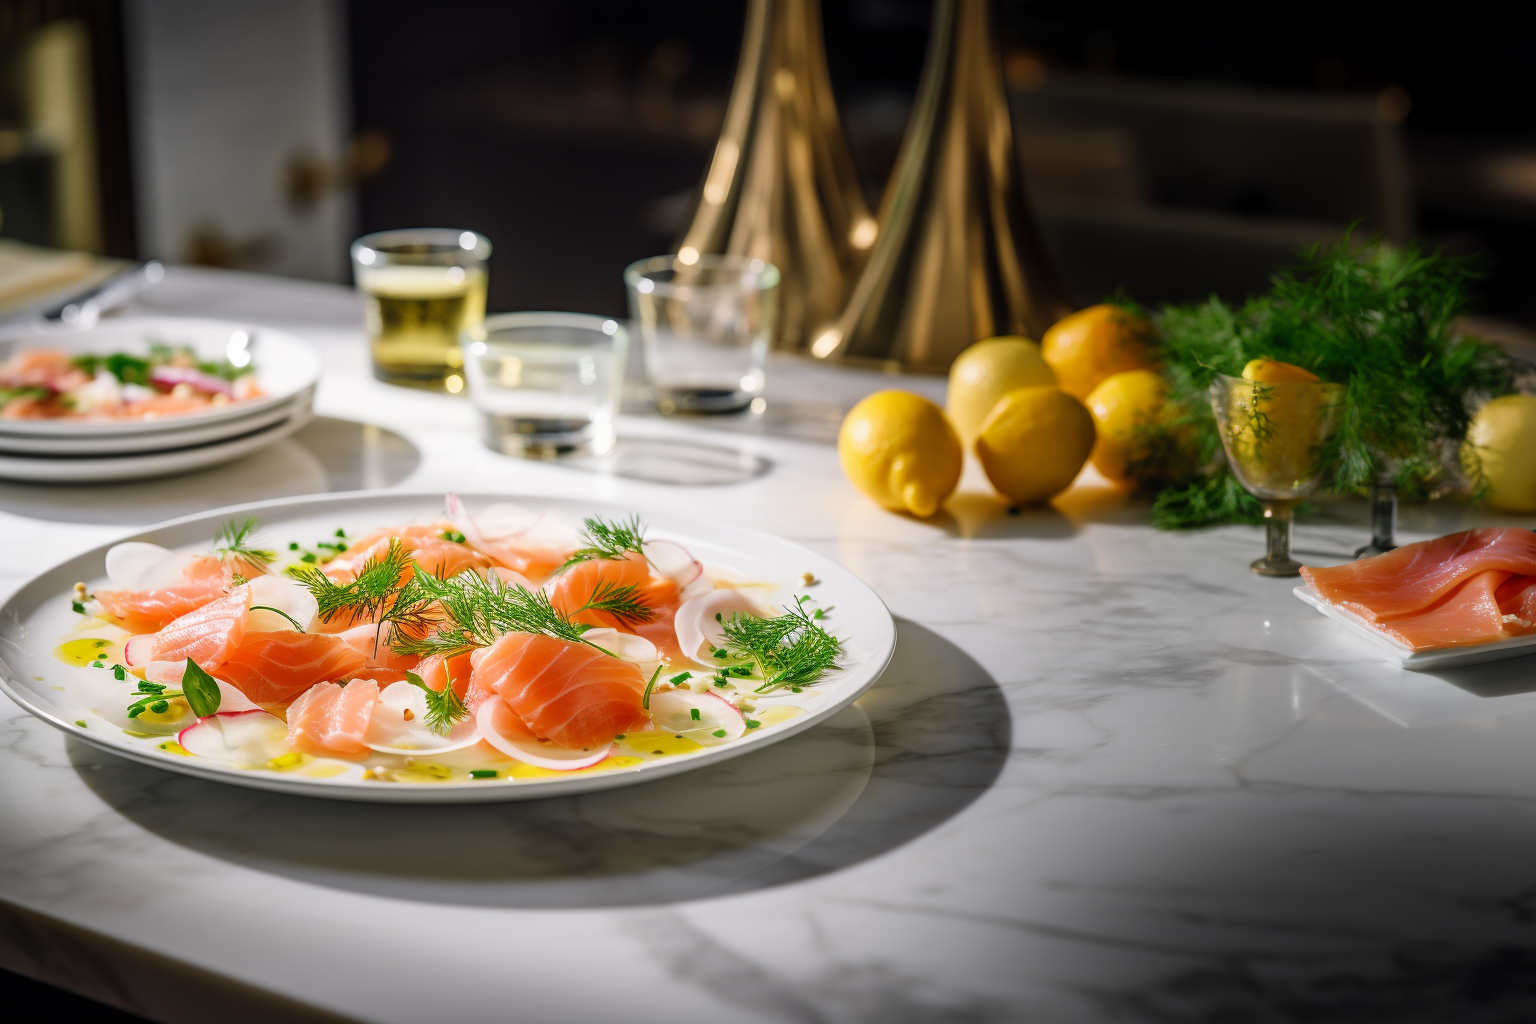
[201, 691]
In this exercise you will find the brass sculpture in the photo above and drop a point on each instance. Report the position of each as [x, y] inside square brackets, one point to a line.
[781, 185]
[958, 258]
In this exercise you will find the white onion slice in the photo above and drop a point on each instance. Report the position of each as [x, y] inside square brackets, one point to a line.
[288, 596]
[237, 737]
[627, 646]
[697, 588]
[672, 711]
[517, 742]
[673, 561]
[696, 624]
[139, 651]
[390, 732]
[135, 565]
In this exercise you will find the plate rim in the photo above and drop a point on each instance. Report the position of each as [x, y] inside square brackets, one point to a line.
[83, 429]
[458, 792]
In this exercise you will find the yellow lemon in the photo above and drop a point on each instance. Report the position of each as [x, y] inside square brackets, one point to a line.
[1034, 442]
[1123, 407]
[899, 449]
[1502, 439]
[1093, 344]
[987, 371]
[1272, 371]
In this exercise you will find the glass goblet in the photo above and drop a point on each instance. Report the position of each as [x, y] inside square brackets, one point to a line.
[1274, 436]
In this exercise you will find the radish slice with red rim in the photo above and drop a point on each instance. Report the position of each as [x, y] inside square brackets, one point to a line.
[135, 565]
[503, 729]
[391, 732]
[627, 646]
[673, 561]
[696, 624]
[237, 737]
[717, 720]
[139, 651]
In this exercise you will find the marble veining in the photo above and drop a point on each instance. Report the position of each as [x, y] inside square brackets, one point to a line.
[1110, 776]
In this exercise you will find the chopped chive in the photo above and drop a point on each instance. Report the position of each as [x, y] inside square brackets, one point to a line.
[722, 654]
[80, 722]
[794, 689]
[79, 609]
[119, 672]
[645, 701]
[719, 733]
[483, 773]
[681, 677]
[693, 713]
[618, 736]
[159, 707]
[293, 545]
[753, 725]
[309, 556]
[340, 532]
[722, 681]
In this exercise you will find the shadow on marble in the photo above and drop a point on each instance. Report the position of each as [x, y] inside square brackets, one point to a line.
[676, 463]
[930, 737]
[327, 455]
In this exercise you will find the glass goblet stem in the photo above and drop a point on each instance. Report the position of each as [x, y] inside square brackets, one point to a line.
[1277, 560]
[1383, 519]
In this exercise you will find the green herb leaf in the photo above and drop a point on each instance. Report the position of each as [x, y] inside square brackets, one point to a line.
[200, 689]
[788, 650]
[444, 709]
[645, 701]
[611, 540]
[235, 542]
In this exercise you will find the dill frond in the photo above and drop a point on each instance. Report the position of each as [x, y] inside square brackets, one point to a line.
[444, 709]
[605, 539]
[478, 611]
[368, 596]
[789, 649]
[623, 603]
[234, 542]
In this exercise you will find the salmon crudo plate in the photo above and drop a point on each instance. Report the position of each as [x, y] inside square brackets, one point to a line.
[414, 648]
[1456, 600]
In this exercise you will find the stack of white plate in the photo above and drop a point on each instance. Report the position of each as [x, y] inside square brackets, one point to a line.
[89, 451]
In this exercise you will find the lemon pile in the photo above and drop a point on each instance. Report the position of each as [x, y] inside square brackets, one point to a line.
[1020, 407]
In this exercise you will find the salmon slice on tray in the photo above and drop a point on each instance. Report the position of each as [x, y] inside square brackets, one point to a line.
[275, 667]
[569, 693]
[1415, 577]
[1469, 614]
[425, 544]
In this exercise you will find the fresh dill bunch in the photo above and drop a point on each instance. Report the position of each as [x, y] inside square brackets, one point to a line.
[444, 709]
[789, 649]
[1375, 318]
[368, 596]
[234, 543]
[479, 611]
[608, 539]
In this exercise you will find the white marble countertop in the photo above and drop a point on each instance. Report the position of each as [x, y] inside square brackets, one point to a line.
[1111, 775]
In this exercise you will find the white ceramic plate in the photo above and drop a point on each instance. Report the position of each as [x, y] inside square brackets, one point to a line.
[38, 617]
[147, 465]
[198, 433]
[286, 365]
[1385, 647]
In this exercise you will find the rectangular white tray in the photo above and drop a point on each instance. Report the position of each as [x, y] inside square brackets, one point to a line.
[1385, 647]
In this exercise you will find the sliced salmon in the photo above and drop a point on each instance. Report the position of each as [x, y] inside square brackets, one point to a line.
[374, 645]
[1468, 614]
[424, 544]
[332, 719]
[576, 587]
[662, 633]
[146, 611]
[534, 561]
[1517, 597]
[568, 693]
[207, 635]
[275, 667]
[1416, 576]
[438, 670]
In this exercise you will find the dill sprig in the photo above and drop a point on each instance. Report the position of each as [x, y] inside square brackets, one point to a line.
[1376, 318]
[611, 540]
[444, 709]
[623, 603]
[479, 611]
[370, 593]
[234, 542]
[789, 650]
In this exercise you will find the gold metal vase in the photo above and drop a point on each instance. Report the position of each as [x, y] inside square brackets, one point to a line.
[957, 257]
[781, 185]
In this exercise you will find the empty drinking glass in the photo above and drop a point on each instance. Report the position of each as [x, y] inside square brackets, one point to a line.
[546, 384]
[704, 328]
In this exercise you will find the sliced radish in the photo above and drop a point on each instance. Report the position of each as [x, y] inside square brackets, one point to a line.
[135, 565]
[502, 729]
[622, 645]
[673, 711]
[696, 624]
[673, 561]
[139, 651]
[390, 731]
[288, 596]
[697, 588]
[237, 737]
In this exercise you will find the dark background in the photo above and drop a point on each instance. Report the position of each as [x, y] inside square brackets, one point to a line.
[574, 134]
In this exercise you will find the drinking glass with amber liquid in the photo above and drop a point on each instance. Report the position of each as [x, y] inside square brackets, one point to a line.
[421, 287]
